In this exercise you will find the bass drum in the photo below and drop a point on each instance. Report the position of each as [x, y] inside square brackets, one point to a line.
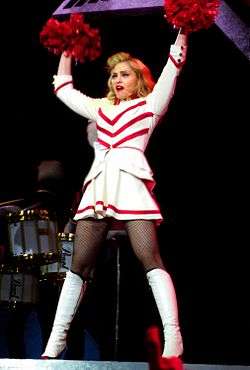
[18, 288]
[32, 236]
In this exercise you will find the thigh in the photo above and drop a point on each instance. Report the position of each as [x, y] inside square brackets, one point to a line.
[89, 236]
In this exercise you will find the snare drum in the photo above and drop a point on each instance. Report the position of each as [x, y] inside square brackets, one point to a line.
[32, 235]
[65, 244]
[18, 288]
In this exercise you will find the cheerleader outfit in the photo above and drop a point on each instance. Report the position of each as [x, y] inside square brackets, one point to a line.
[120, 182]
[120, 185]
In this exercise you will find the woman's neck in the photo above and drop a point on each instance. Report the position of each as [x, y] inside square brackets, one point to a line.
[118, 101]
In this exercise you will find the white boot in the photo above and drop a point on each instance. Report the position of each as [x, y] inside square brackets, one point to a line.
[165, 298]
[70, 298]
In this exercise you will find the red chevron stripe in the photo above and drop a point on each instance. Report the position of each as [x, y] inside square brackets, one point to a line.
[103, 143]
[177, 64]
[124, 127]
[132, 136]
[126, 138]
[113, 121]
[120, 211]
[107, 132]
[104, 117]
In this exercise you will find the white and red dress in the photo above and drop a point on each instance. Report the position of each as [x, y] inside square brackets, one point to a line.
[120, 182]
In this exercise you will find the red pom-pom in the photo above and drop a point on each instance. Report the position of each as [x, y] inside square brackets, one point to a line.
[85, 41]
[73, 36]
[55, 36]
[191, 15]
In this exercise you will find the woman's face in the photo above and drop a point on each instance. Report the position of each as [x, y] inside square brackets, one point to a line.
[124, 81]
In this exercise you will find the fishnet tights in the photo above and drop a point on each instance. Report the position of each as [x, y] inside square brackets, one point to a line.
[143, 238]
[90, 235]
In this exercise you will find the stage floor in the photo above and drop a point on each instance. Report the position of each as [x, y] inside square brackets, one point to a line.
[14, 364]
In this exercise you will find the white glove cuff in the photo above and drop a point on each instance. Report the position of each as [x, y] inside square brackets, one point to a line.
[178, 54]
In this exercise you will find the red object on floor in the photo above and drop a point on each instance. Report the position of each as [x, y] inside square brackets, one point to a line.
[156, 361]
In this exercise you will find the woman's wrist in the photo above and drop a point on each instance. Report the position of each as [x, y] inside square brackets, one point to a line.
[64, 67]
[181, 39]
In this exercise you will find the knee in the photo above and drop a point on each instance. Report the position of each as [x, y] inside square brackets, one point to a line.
[86, 273]
[152, 262]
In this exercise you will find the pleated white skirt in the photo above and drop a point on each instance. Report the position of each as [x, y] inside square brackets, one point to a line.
[118, 194]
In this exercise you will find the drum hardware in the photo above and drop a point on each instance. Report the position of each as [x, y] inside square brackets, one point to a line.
[20, 269]
[8, 269]
[57, 271]
[25, 260]
[6, 210]
[31, 214]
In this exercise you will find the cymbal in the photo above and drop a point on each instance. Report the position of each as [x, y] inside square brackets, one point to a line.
[4, 211]
[8, 202]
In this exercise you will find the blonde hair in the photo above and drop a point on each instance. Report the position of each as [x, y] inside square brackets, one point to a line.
[145, 80]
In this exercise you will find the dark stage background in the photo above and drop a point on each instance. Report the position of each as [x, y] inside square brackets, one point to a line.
[199, 154]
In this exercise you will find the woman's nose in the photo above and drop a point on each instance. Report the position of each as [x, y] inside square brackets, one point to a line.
[118, 79]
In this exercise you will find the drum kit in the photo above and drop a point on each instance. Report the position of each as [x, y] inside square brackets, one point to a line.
[32, 251]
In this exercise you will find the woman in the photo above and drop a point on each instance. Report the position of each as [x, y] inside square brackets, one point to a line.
[120, 182]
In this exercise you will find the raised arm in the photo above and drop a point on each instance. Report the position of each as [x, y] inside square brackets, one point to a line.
[164, 89]
[74, 99]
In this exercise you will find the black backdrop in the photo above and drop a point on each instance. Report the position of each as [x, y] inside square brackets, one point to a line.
[198, 153]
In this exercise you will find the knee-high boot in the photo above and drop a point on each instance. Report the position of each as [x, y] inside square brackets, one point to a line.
[165, 298]
[69, 300]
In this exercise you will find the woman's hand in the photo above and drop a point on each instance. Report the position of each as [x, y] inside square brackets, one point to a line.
[64, 67]
[178, 51]
[181, 39]
[91, 132]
